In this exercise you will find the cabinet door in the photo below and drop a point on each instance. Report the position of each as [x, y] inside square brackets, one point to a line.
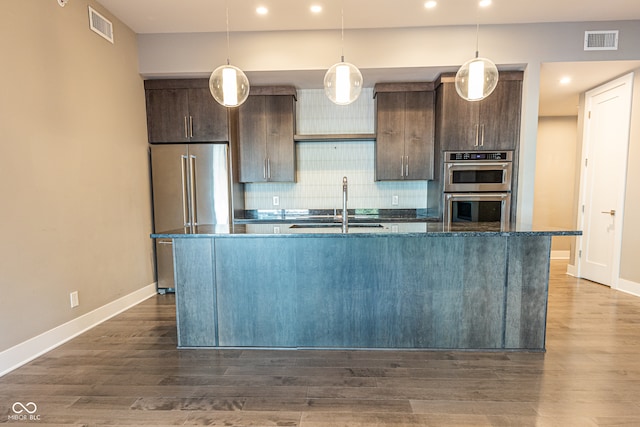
[418, 135]
[195, 293]
[500, 116]
[458, 120]
[279, 138]
[390, 129]
[251, 137]
[167, 115]
[208, 118]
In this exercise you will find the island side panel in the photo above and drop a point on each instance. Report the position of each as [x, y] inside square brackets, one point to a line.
[527, 292]
[257, 291]
[340, 287]
[473, 268]
[195, 292]
[352, 292]
[440, 293]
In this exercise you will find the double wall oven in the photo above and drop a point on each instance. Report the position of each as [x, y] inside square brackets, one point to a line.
[477, 187]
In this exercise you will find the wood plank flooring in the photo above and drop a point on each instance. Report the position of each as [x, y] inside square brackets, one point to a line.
[127, 371]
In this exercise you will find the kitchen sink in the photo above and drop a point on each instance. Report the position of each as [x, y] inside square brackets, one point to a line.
[336, 225]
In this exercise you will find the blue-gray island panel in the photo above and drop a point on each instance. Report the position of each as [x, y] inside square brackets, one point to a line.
[393, 291]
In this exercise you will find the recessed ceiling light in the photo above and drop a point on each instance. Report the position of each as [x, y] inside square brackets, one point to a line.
[316, 8]
[431, 4]
[485, 3]
[262, 10]
[565, 80]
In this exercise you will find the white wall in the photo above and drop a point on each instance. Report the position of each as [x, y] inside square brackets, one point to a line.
[74, 181]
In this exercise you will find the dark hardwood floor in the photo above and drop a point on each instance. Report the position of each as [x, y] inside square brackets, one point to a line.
[127, 371]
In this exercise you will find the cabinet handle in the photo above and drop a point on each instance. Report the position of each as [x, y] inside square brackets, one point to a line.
[402, 166]
[264, 168]
[482, 136]
[477, 135]
[268, 168]
[186, 130]
[407, 168]
[191, 126]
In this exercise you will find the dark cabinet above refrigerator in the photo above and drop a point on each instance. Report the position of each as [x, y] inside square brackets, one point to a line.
[182, 111]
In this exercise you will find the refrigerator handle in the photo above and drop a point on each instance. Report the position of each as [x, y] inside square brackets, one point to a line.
[185, 192]
[194, 194]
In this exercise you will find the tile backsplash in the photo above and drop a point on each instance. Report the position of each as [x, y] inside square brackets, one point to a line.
[321, 165]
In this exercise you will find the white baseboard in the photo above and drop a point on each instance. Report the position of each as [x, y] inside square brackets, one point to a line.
[26, 351]
[628, 287]
[560, 254]
[572, 270]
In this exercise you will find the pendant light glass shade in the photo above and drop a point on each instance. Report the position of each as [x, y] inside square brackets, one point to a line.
[343, 83]
[229, 86]
[476, 79]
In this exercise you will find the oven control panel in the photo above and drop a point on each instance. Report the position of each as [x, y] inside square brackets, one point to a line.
[475, 156]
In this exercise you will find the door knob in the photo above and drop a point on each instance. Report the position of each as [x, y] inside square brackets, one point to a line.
[612, 212]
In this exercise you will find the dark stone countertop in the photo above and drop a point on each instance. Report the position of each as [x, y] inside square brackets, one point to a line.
[425, 228]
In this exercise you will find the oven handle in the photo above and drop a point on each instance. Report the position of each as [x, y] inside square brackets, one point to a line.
[476, 165]
[476, 196]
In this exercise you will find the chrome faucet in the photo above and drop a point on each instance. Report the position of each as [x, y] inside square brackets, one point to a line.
[345, 216]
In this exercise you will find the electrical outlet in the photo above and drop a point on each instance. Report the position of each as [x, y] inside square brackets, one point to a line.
[73, 296]
[394, 200]
[276, 200]
[276, 229]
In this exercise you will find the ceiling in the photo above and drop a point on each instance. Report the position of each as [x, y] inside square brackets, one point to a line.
[188, 16]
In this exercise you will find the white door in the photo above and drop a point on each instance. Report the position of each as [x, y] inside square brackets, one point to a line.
[604, 164]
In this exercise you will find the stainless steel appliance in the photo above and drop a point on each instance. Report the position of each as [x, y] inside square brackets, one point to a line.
[477, 171]
[477, 186]
[191, 186]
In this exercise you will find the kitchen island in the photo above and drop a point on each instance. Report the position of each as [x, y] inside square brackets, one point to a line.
[422, 285]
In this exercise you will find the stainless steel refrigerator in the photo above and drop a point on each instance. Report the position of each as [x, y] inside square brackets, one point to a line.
[191, 187]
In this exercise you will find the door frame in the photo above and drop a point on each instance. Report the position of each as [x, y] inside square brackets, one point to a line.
[627, 80]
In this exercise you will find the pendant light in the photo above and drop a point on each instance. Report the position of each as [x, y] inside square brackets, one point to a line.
[228, 84]
[343, 81]
[478, 77]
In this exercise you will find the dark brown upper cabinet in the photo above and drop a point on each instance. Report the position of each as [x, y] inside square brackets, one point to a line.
[266, 135]
[183, 110]
[490, 124]
[404, 131]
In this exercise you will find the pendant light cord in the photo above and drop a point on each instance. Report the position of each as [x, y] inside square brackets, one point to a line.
[342, 26]
[477, 30]
[228, 45]
[477, 38]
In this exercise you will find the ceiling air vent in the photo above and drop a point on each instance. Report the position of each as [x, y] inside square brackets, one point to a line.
[100, 24]
[601, 40]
